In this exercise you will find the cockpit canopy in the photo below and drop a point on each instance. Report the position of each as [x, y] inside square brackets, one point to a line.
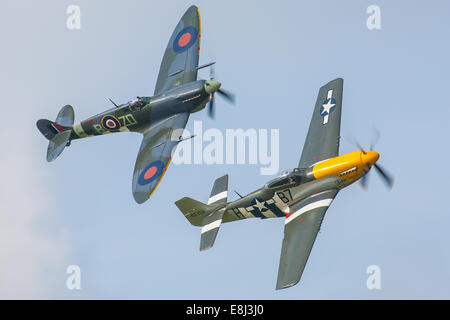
[287, 177]
[138, 104]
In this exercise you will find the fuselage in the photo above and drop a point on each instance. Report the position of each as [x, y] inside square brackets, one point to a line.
[277, 197]
[140, 114]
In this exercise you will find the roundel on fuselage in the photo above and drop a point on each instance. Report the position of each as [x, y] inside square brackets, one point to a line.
[109, 122]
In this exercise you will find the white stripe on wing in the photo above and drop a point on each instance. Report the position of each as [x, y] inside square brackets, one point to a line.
[309, 207]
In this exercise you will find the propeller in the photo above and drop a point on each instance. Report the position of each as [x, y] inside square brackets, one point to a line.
[211, 112]
[224, 93]
[364, 178]
[386, 177]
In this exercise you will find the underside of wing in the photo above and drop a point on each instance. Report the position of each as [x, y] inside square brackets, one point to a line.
[300, 231]
[322, 141]
[180, 61]
[155, 154]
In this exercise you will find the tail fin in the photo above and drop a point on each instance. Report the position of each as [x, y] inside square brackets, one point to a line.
[194, 210]
[208, 216]
[63, 122]
[58, 132]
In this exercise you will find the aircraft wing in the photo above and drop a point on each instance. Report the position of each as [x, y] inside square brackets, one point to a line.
[180, 61]
[155, 154]
[300, 231]
[322, 141]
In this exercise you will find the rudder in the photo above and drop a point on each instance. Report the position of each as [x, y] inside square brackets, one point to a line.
[49, 129]
[194, 210]
[58, 132]
[64, 121]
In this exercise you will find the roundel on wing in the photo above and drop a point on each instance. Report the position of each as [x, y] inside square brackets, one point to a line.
[185, 39]
[109, 122]
[151, 172]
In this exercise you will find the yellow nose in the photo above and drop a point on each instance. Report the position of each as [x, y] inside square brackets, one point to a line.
[370, 157]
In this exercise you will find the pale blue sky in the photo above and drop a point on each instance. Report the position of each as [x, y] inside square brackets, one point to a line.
[274, 56]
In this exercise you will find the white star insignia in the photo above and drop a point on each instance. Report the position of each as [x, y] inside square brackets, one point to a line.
[259, 205]
[327, 106]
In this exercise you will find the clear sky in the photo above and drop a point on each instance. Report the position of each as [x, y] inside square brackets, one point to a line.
[274, 55]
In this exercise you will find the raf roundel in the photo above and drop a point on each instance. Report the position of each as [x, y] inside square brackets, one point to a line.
[151, 172]
[185, 39]
[109, 122]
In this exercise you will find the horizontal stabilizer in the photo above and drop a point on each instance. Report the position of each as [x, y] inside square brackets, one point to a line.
[211, 224]
[66, 116]
[212, 221]
[57, 145]
[219, 192]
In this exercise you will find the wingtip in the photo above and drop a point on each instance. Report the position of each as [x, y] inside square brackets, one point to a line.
[281, 286]
[284, 282]
[192, 9]
[139, 199]
[341, 80]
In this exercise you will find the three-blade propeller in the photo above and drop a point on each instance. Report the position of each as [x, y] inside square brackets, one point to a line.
[225, 94]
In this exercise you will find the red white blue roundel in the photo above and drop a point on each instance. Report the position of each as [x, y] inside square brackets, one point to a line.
[151, 172]
[185, 39]
[109, 122]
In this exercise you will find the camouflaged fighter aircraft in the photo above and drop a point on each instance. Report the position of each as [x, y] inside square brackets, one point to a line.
[301, 196]
[161, 118]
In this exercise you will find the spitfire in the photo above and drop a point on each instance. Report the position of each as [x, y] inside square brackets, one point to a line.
[301, 196]
[160, 118]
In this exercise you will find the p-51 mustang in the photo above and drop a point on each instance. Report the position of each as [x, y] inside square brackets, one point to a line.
[301, 196]
[160, 118]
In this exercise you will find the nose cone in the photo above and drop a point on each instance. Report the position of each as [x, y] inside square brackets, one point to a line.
[370, 157]
[212, 86]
